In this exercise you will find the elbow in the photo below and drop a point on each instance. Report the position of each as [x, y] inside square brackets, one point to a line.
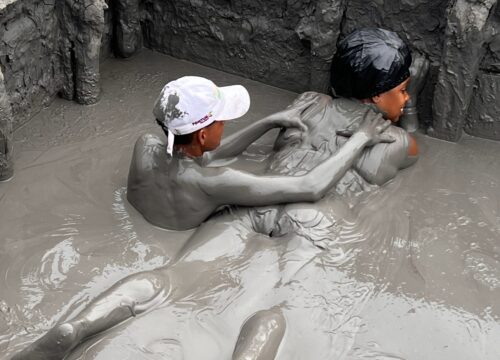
[317, 195]
[314, 191]
[413, 149]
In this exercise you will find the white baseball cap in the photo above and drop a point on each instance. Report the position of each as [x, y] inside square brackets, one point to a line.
[191, 103]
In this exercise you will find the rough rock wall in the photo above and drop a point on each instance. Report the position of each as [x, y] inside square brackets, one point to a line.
[82, 28]
[274, 42]
[290, 44]
[53, 46]
[49, 47]
[28, 55]
[6, 166]
[460, 60]
[287, 43]
[483, 117]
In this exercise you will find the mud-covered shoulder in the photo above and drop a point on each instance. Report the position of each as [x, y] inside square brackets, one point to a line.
[381, 162]
[148, 150]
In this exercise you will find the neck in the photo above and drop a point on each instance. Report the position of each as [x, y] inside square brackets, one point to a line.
[190, 150]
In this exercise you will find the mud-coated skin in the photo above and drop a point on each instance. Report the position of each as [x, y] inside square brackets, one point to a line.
[418, 74]
[178, 193]
[378, 164]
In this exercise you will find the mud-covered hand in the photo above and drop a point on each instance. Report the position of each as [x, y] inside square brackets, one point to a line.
[373, 127]
[291, 117]
[418, 73]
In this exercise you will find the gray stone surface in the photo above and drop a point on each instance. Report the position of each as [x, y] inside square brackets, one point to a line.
[491, 61]
[48, 47]
[127, 27]
[6, 166]
[484, 113]
[462, 54]
[82, 27]
[259, 40]
[28, 55]
[483, 118]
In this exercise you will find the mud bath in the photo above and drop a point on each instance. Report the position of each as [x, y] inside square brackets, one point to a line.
[415, 275]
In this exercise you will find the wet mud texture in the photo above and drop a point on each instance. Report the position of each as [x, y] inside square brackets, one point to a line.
[424, 284]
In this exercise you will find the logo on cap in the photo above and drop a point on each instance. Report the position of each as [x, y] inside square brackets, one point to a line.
[203, 119]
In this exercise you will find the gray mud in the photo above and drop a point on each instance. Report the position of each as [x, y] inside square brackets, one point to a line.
[414, 272]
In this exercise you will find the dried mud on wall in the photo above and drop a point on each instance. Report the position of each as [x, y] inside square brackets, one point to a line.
[28, 55]
[483, 117]
[290, 44]
[50, 47]
[273, 42]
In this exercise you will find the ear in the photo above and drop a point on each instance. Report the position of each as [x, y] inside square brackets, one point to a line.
[376, 99]
[201, 136]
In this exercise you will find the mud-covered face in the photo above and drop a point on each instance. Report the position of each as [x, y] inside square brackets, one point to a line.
[392, 102]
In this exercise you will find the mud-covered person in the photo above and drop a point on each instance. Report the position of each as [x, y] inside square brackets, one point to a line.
[371, 69]
[171, 188]
[370, 78]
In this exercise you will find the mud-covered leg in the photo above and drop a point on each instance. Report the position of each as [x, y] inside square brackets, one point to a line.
[129, 297]
[260, 336]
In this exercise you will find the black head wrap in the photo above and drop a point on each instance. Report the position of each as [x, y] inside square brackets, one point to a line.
[369, 62]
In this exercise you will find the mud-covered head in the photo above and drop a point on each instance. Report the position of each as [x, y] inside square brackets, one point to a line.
[369, 62]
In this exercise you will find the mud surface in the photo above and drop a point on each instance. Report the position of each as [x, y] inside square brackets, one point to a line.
[413, 274]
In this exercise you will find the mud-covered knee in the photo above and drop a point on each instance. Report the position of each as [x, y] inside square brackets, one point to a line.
[260, 336]
[64, 334]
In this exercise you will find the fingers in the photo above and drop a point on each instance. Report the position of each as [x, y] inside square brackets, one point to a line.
[306, 106]
[385, 125]
[304, 98]
[384, 138]
[344, 132]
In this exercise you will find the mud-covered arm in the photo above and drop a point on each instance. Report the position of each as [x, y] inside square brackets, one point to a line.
[229, 186]
[237, 142]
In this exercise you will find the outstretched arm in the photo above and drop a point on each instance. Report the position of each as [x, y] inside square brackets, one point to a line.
[228, 186]
[237, 142]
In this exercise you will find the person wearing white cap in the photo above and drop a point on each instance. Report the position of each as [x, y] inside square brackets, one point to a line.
[170, 186]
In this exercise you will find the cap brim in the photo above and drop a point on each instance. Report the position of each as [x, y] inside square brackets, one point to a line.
[235, 103]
